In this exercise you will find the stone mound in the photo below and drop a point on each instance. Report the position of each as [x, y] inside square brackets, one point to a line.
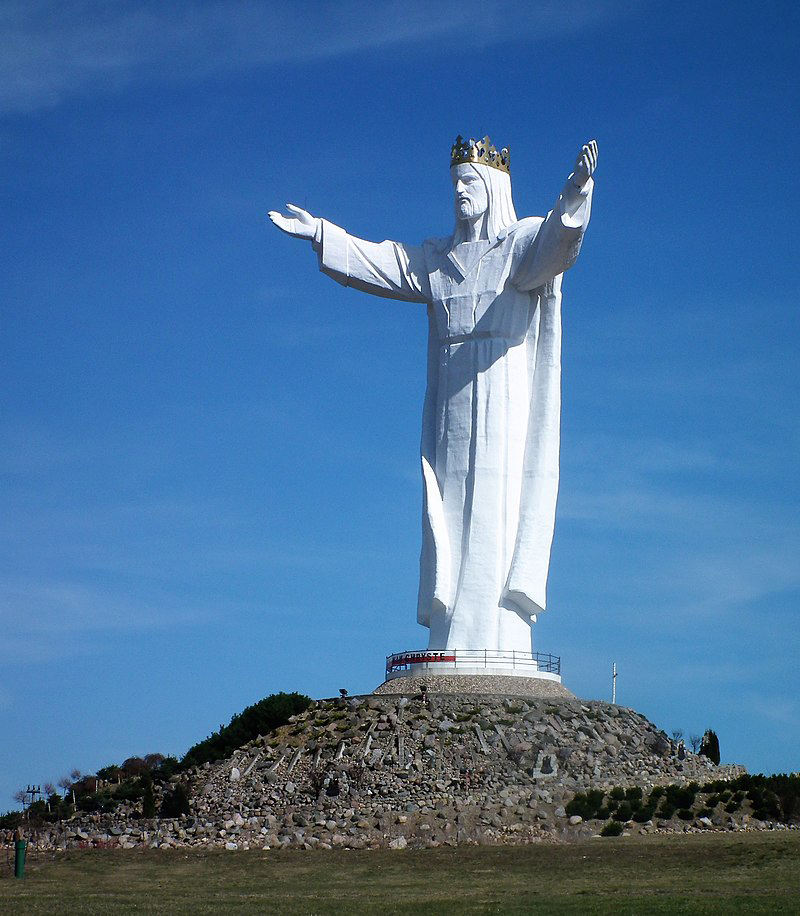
[392, 770]
[382, 770]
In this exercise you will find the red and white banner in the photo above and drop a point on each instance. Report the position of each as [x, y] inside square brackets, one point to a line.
[420, 658]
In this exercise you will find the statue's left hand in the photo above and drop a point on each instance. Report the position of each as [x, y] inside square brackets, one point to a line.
[302, 226]
[585, 164]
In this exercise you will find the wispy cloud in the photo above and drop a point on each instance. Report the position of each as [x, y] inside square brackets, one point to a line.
[62, 618]
[698, 531]
[50, 51]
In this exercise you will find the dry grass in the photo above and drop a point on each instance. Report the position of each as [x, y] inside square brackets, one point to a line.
[704, 873]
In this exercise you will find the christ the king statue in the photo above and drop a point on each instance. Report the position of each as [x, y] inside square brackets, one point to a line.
[491, 419]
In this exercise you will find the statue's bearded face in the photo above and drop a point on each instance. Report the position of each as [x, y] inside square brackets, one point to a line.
[472, 198]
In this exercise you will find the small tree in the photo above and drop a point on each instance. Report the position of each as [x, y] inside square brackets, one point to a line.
[74, 777]
[148, 799]
[710, 746]
[110, 773]
[11, 820]
[168, 767]
[86, 785]
[677, 734]
[135, 766]
[50, 794]
[695, 741]
[175, 802]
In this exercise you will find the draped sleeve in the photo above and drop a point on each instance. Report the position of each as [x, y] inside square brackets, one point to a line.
[387, 269]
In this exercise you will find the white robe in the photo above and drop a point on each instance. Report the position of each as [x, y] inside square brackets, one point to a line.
[491, 420]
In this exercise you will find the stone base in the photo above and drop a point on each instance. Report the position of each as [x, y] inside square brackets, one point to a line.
[489, 684]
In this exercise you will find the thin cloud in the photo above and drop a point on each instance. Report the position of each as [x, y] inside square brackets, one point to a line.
[50, 51]
[64, 619]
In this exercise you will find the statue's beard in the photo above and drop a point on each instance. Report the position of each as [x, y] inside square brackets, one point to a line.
[466, 209]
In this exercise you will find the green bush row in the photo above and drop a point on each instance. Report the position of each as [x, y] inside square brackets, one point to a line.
[775, 798]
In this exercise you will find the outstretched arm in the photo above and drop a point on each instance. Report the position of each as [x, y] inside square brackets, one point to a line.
[386, 269]
[557, 243]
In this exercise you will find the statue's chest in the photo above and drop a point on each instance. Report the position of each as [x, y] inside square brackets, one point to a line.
[482, 304]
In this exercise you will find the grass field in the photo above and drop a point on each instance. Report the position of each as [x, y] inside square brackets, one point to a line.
[701, 873]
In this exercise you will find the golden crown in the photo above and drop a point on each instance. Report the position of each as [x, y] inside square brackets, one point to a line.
[480, 152]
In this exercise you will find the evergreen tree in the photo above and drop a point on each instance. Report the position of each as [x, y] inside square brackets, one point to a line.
[710, 746]
[148, 799]
[175, 802]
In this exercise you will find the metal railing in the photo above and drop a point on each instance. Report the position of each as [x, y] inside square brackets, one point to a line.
[473, 658]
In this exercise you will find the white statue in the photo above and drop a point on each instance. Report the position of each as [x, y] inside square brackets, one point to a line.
[491, 420]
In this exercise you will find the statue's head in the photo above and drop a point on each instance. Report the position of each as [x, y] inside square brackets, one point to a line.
[482, 184]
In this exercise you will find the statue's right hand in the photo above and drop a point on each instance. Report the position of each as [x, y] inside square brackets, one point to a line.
[301, 224]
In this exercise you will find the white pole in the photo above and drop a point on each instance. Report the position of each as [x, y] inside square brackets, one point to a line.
[614, 683]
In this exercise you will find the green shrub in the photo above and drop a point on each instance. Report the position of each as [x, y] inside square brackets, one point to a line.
[624, 811]
[166, 769]
[103, 801]
[643, 815]
[258, 719]
[612, 828]
[685, 814]
[768, 807]
[657, 792]
[617, 793]
[633, 795]
[681, 796]
[110, 773]
[732, 806]
[586, 804]
[787, 793]
[175, 802]
[88, 803]
[130, 791]
[576, 804]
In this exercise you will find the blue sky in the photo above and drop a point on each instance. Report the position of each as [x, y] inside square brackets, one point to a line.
[209, 451]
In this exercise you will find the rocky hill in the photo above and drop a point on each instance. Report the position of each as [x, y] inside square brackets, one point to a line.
[383, 768]
[422, 768]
